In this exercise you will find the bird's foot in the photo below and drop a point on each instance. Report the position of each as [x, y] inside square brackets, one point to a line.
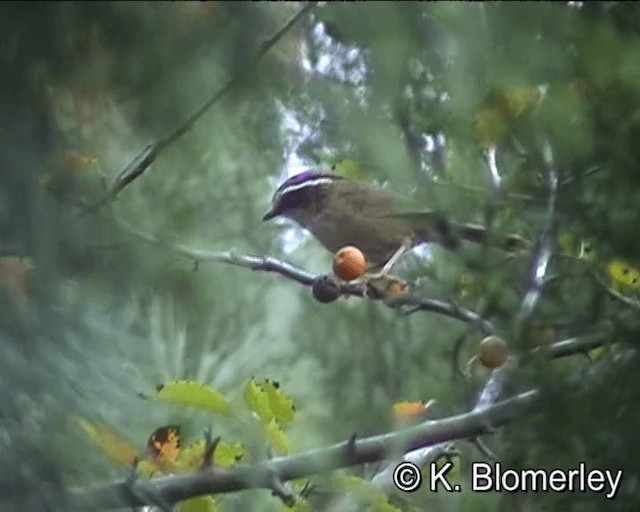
[402, 250]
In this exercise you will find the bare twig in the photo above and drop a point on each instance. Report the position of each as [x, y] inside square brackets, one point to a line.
[149, 154]
[215, 480]
[451, 310]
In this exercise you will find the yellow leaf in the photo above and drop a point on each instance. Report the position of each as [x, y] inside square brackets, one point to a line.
[192, 456]
[257, 399]
[111, 443]
[513, 101]
[351, 169]
[277, 437]
[190, 393]
[281, 404]
[148, 468]
[228, 454]
[489, 127]
[225, 455]
[595, 354]
[197, 504]
[572, 245]
[622, 274]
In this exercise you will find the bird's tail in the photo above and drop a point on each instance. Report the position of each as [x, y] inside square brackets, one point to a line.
[429, 226]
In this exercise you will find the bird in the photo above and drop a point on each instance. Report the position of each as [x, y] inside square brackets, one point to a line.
[339, 212]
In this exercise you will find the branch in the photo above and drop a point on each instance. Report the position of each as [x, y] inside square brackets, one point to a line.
[541, 256]
[270, 264]
[349, 453]
[489, 395]
[149, 154]
[616, 294]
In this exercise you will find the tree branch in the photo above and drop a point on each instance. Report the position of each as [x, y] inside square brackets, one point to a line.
[270, 264]
[545, 246]
[149, 154]
[490, 394]
[349, 453]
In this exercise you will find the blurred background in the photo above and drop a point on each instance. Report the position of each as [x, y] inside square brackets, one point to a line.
[419, 96]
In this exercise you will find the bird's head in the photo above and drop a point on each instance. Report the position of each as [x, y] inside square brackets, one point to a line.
[302, 196]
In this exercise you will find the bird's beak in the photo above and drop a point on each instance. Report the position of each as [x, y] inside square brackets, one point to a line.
[269, 215]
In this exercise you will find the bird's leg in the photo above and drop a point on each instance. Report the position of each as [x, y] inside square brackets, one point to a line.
[406, 245]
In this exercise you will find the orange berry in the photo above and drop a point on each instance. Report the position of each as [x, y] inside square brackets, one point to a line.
[493, 351]
[349, 263]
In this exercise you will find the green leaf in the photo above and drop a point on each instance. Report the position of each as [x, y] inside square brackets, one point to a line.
[277, 437]
[282, 406]
[225, 455]
[257, 399]
[190, 393]
[350, 169]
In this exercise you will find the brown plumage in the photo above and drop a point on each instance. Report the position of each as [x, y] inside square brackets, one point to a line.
[340, 212]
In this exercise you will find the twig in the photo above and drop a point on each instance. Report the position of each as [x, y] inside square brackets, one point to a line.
[545, 246]
[216, 480]
[210, 446]
[490, 158]
[270, 264]
[491, 393]
[484, 449]
[569, 346]
[280, 489]
[616, 294]
[448, 309]
[149, 154]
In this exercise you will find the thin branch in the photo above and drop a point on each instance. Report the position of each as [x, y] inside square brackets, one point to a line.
[490, 394]
[210, 446]
[545, 246]
[349, 453]
[490, 158]
[616, 294]
[282, 491]
[270, 264]
[569, 346]
[451, 310]
[149, 154]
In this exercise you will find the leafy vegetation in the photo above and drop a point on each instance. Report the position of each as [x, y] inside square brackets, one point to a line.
[521, 117]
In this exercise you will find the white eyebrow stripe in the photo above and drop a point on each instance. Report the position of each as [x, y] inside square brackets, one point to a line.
[304, 184]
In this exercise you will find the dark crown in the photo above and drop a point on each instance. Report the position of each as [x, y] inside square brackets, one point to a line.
[299, 191]
[306, 179]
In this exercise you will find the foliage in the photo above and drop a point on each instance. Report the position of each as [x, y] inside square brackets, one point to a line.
[468, 109]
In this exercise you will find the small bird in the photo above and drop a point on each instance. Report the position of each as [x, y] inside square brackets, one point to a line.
[339, 212]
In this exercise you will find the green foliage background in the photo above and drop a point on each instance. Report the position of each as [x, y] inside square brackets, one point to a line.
[396, 86]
